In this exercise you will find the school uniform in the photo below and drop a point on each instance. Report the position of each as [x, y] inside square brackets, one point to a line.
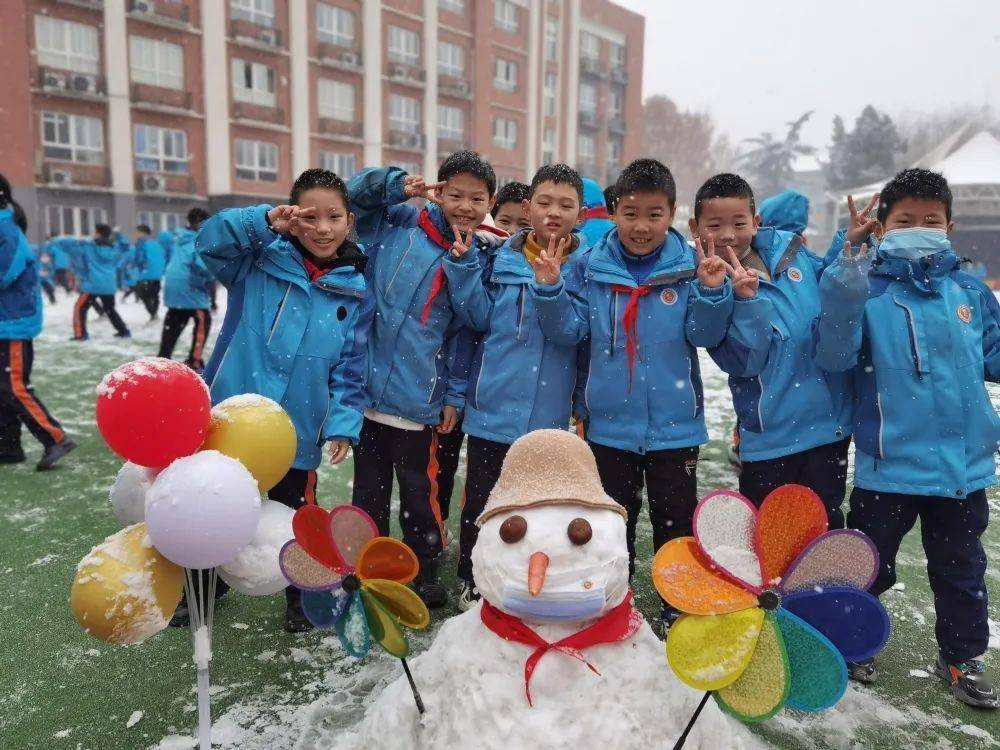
[150, 263]
[597, 223]
[185, 294]
[96, 262]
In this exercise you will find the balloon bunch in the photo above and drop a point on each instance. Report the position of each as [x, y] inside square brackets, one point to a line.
[189, 497]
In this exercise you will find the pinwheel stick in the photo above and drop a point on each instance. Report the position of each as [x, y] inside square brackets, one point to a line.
[694, 717]
[413, 686]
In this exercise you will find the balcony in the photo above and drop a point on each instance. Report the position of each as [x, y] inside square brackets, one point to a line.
[164, 183]
[262, 37]
[75, 85]
[258, 113]
[159, 12]
[450, 144]
[619, 74]
[408, 141]
[593, 67]
[411, 75]
[158, 96]
[333, 126]
[459, 88]
[616, 125]
[88, 4]
[340, 57]
[68, 174]
[588, 118]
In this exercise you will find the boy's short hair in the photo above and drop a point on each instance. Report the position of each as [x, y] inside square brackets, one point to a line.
[144, 229]
[322, 179]
[560, 174]
[647, 176]
[102, 230]
[724, 185]
[468, 162]
[196, 216]
[512, 192]
[914, 183]
[610, 198]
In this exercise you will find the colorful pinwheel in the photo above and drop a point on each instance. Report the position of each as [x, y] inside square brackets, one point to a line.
[774, 603]
[352, 579]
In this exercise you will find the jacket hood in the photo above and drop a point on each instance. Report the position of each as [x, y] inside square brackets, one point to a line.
[788, 211]
[593, 194]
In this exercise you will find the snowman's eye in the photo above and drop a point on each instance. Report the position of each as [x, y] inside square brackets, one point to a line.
[513, 529]
[579, 531]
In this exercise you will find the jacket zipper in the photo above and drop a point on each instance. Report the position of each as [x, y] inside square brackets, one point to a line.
[479, 378]
[694, 393]
[586, 390]
[520, 317]
[430, 395]
[881, 426]
[760, 403]
[614, 323]
[401, 260]
[914, 349]
[277, 317]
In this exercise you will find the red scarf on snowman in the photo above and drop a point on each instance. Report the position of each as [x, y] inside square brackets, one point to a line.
[619, 624]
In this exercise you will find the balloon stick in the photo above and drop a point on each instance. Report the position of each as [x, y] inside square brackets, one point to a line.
[413, 686]
[694, 717]
[201, 610]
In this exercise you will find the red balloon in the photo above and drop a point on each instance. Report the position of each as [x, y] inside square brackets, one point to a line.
[153, 411]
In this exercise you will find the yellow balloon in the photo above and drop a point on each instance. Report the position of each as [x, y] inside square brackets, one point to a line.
[258, 433]
[124, 590]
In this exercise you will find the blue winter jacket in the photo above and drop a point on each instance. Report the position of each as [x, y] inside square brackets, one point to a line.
[922, 338]
[150, 259]
[128, 272]
[167, 242]
[408, 360]
[520, 381]
[60, 258]
[662, 407]
[20, 290]
[787, 211]
[95, 263]
[785, 402]
[595, 227]
[299, 342]
[186, 280]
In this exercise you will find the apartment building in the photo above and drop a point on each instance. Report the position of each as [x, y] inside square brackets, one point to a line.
[131, 111]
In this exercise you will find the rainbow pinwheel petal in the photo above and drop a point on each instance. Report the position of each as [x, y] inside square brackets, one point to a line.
[304, 571]
[350, 530]
[761, 691]
[385, 630]
[352, 628]
[819, 675]
[324, 608]
[400, 601]
[841, 557]
[388, 559]
[709, 653]
[687, 583]
[724, 525]
[790, 518]
[854, 621]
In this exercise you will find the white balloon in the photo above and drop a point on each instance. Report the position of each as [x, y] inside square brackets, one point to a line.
[128, 493]
[202, 510]
[255, 570]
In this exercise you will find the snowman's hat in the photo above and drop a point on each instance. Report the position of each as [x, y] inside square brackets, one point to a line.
[548, 467]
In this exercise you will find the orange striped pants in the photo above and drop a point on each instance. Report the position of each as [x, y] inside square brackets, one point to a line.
[18, 402]
[174, 324]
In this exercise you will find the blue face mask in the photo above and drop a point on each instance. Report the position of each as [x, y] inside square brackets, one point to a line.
[562, 598]
[913, 243]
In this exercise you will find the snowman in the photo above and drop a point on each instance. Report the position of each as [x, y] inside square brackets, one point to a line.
[556, 655]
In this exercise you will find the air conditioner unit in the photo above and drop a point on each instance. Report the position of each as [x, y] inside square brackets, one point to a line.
[268, 36]
[397, 71]
[464, 87]
[61, 177]
[84, 83]
[351, 58]
[143, 6]
[53, 80]
[153, 183]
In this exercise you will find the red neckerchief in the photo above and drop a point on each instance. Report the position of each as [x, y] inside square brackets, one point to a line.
[619, 624]
[630, 321]
[597, 212]
[312, 269]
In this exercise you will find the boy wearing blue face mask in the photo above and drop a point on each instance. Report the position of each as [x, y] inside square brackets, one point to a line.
[921, 337]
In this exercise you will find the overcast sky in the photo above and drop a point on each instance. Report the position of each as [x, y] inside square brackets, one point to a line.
[756, 64]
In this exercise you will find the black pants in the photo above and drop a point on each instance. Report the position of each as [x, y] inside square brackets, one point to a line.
[173, 326]
[485, 461]
[412, 454]
[106, 302]
[148, 293]
[50, 290]
[65, 279]
[18, 402]
[671, 478]
[449, 449]
[822, 469]
[956, 561]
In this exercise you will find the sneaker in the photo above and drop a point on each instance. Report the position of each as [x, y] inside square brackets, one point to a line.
[181, 618]
[296, 620]
[123, 335]
[12, 458]
[54, 453]
[428, 584]
[862, 671]
[79, 338]
[668, 616]
[968, 682]
[469, 596]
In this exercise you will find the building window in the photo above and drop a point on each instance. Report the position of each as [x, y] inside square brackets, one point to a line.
[404, 114]
[451, 123]
[588, 99]
[253, 83]
[336, 100]
[614, 154]
[452, 6]
[404, 46]
[160, 149]
[505, 75]
[551, 38]
[590, 46]
[156, 63]
[66, 44]
[73, 220]
[616, 104]
[256, 160]
[160, 221]
[548, 146]
[342, 164]
[505, 15]
[410, 167]
[549, 94]
[451, 60]
[260, 12]
[334, 25]
[586, 149]
[618, 55]
[72, 138]
[505, 133]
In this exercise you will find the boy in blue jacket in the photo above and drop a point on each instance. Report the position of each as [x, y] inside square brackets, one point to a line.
[508, 212]
[296, 328]
[408, 398]
[150, 263]
[596, 218]
[520, 380]
[922, 339]
[795, 420]
[45, 271]
[97, 261]
[647, 301]
[186, 294]
[20, 323]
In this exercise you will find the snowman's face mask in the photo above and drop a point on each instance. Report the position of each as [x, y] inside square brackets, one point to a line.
[553, 563]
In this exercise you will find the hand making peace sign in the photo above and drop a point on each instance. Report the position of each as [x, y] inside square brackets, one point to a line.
[861, 226]
[415, 187]
[549, 263]
[462, 245]
[711, 268]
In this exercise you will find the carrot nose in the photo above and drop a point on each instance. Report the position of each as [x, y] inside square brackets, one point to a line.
[537, 564]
